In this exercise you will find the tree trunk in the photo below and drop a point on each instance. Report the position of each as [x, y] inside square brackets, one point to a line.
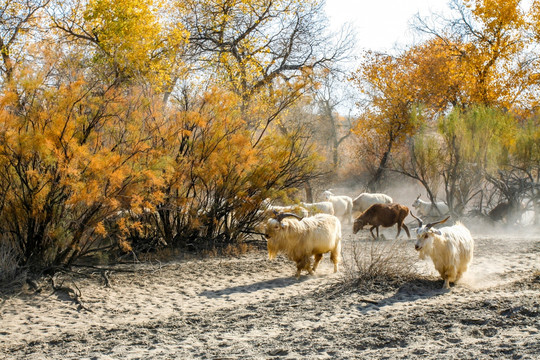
[372, 184]
[309, 192]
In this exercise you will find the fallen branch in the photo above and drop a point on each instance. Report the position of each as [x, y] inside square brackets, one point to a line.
[73, 293]
[370, 301]
[160, 266]
[105, 276]
[135, 258]
[107, 268]
[34, 285]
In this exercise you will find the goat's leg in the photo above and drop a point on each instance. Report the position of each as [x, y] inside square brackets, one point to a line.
[334, 256]
[318, 258]
[300, 265]
[446, 284]
[406, 230]
[308, 266]
[304, 264]
[371, 231]
[458, 275]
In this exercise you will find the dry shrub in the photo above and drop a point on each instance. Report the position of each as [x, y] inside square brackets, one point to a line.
[237, 249]
[8, 262]
[380, 262]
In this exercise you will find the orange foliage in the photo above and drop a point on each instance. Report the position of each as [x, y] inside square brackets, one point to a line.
[386, 81]
[70, 159]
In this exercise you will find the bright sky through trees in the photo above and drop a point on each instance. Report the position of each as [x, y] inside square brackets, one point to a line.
[381, 24]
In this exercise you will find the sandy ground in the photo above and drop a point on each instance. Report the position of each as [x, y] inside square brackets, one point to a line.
[250, 308]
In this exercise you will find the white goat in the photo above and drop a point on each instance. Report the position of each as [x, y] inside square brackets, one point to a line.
[363, 201]
[300, 239]
[269, 209]
[426, 208]
[324, 207]
[342, 205]
[451, 248]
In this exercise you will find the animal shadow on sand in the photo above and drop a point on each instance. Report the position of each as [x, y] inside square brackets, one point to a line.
[410, 291]
[271, 284]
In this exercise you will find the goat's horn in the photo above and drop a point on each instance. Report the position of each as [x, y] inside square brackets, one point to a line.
[282, 216]
[419, 221]
[418, 197]
[438, 222]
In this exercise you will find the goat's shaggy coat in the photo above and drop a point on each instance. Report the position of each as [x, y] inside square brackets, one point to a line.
[343, 207]
[384, 215]
[451, 249]
[301, 239]
[363, 201]
[426, 208]
[324, 207]
[295, 209]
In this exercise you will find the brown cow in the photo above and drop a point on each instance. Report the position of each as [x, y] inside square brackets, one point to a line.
[384, 215]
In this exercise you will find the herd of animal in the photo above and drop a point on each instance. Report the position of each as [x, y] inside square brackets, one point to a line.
[312, 229]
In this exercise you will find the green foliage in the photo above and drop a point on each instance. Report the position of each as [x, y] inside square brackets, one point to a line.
[477, 141]
[427, 156]
[526, 149]
[480, 135]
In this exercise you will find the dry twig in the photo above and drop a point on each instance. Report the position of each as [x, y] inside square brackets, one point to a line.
[370, 301]
[73, 293]
[105, 276]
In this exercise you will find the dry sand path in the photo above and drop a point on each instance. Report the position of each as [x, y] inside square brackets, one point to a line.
[251, 308]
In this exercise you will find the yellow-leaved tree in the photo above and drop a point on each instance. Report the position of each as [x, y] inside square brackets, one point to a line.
[488, 41]
[264, 51]
[131, 122]
[390, 116]
[128, 41]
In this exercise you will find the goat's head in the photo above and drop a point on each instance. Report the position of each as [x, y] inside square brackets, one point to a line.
[274, 225]
[359, 224]
[327, 194]
[416, 202]
[424, 232]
